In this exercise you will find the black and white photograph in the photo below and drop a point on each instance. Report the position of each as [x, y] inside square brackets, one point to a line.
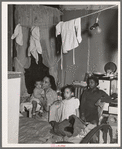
[61, 74]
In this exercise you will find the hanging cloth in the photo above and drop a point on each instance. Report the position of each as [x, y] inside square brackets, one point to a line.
[35, 46]
[18, 35]
[78, 32]
[71, 35]
[78, 29]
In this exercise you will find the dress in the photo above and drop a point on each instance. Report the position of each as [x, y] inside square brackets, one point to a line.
[61, 110]
[88, 100]
[69, 107]
[70, 32]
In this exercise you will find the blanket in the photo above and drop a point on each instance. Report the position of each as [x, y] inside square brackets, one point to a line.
[33, 131]
[68, 127]
[36, 131]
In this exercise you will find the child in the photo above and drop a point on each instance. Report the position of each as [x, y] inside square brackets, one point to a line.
[71, 104]
[35, 100]
[61, 110]
[90, 100]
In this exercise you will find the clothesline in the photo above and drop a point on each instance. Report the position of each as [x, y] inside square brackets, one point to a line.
[79, 17]
[90, 15]
[98, 11]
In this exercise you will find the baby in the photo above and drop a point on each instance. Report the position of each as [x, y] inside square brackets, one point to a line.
[36, 99]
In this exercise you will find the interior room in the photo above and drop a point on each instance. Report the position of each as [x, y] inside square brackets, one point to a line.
[63, 74]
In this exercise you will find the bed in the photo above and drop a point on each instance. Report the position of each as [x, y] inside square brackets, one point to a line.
[38, 131]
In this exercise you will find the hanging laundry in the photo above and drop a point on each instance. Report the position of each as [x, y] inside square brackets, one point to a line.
[71, 34]
[78, 29]
[58, 44]
[35, 46]
[18, 35]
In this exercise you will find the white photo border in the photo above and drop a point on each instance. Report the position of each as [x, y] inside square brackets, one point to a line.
[5, 71]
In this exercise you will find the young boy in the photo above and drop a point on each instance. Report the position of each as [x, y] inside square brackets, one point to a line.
[36, 100]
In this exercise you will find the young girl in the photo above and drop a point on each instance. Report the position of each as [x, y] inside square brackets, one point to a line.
[71, 104]
[62, 109]
[35, 99]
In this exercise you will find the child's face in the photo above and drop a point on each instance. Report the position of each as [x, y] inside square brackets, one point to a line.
[92, 83]
[38, 84]
[67, 93]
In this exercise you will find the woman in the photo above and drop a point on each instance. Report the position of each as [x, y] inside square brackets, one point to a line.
[91, 96]
[50, 94]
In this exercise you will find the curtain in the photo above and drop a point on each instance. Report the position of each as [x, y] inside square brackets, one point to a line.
[46, 18]
[21, 61]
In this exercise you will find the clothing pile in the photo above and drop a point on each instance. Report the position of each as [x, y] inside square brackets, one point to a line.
[68, 127]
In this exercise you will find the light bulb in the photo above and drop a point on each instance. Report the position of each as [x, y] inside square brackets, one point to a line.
[99, 29]
[97, 20]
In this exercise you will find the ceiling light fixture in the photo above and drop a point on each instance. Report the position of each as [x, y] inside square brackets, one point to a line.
[96, 24]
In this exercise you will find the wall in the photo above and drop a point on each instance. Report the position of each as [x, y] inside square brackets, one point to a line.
[102, 46]
[10, 32]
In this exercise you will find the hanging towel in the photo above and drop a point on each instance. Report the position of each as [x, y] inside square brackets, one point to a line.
[78, 32]
[70, 32]
[78, 29]
[35, 46]
[18, 35]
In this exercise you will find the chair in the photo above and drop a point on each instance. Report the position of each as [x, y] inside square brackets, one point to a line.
[90, 137]
[78, 90]
[105, 128]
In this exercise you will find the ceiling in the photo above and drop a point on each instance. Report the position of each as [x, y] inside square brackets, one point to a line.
[80, 7]
[86, 7]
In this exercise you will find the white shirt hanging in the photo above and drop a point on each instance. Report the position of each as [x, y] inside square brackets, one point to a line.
[18, 35]
[71, 34]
